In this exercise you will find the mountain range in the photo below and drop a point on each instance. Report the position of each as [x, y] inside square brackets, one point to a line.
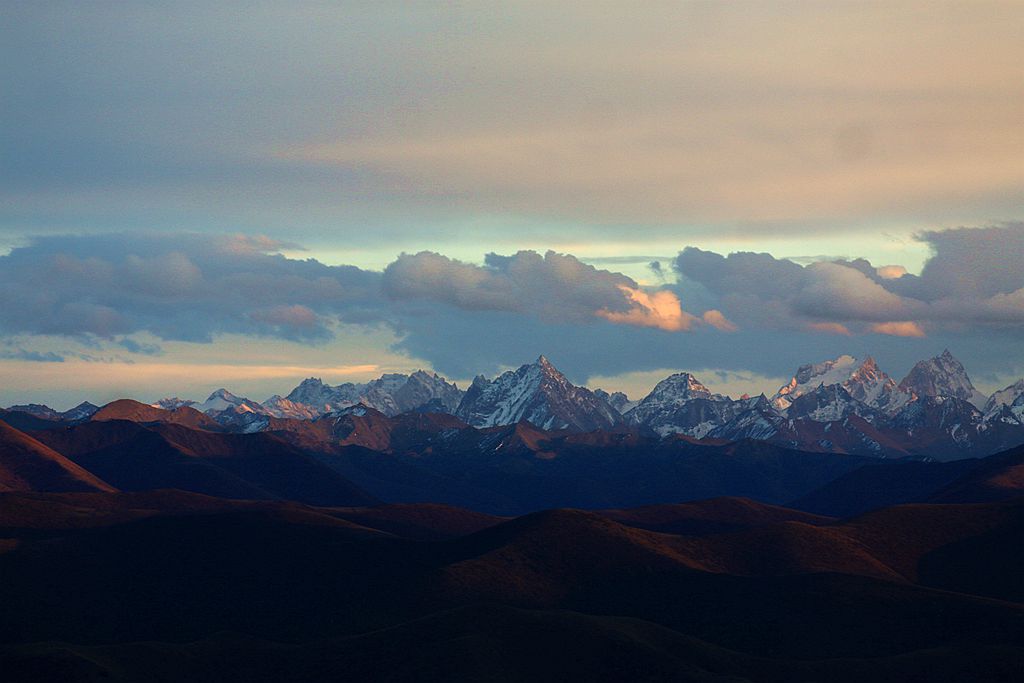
[178, 543]
[840, 406]
[358, 456]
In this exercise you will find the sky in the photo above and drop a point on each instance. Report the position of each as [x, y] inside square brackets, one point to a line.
[195, 195]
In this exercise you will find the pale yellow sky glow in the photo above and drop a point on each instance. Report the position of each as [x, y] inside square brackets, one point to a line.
[102, 382]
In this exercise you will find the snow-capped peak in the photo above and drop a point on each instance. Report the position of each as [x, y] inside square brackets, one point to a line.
[223, 394]
[617, 400]
[390, 394]
[1005, 397]
[681, 404]
[677, 388]
[871, 386]
[813, 375]
[863, 381]
[83, 410]
[172, 403]
[539, 394]
[1006, 405]
[278, 406]
[37, 409]
[314, 393]
[942, 376]
[222, 400]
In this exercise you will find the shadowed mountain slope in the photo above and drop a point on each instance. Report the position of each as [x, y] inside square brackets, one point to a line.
[749, 604]
[422, 521]
[881, 484]
[518, 469]
[140, 457]
[491, 642]
[709, 516]
[28, 465]
[127, 409]
[27, 422]
[996, 477]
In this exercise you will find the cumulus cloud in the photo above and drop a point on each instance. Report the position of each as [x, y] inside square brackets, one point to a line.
[717, 320]
[183, 287]
[898, 328]
[660, 309]
[891, 272]
[975, 277]
[973, 263]
[428, 275]
[135, 292]
[839, 292]
[553, 287]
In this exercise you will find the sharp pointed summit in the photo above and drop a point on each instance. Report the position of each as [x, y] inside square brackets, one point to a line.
[223, 400]
[539, 394]
[942, 376]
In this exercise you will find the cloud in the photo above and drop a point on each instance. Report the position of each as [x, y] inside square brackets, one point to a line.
[830, 328]
[891, 272]
[584, 115]
[658, 309]
[428, 275]
[975, 277]
[183, 287]
[553, 287]
[785, 314]
[717, 320]
[973, 263]
[293, 321]
[33, 356]
[143, 348]
[143, 293]
[839, 292]
[902, 328]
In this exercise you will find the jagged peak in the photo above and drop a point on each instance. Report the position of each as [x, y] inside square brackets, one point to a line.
[546, 366]
[945, 362]
[547, 369]
[811, 370]
[1005, 396]
[869, 370]
[425, 375]
[942, 375]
